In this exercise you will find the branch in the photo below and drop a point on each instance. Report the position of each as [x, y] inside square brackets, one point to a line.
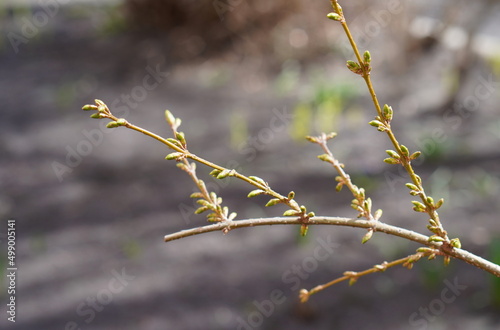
[338, 221]
[353, 276]
[401, 155]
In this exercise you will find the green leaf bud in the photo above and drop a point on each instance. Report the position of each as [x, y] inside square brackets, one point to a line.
[425, 250]
[361, 192]
[367, 57]
[334, 16]
[89, 107]
[367, 236]
[376, 123]
[433, 229]
[121, 122]
[203, 202]
[291, 213]
[354, 67]
[201, 210]
[446, 260]
[169, 118]
[175, 142]
[255, 192]
[331, 135]
[455, 242]
[224, 174]
[311, 139]
[368, 204]
[303, 230]
[326, 158]
[404, 150]
[436, 238]
[180, 136]
[182, 166]
[392, 161]
[214, 172]
[112, 124]
[411, 186]
[196, 195]
[174, 155]
[257, 179]
[273, 201]
[99, 102]
[415, 155]
[387, 112]
[393, 154]
[418, 207]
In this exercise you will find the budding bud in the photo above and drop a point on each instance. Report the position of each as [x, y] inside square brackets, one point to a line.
[354, 67]
[112, 124]
[89, 107]
[387, 112]
[367, 236]
[367, 57]
[334, 16]
[169, 118]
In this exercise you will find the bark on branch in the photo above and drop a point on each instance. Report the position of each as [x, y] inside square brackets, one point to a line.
[338, 221]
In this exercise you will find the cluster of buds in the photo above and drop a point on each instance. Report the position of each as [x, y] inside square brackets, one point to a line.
[103, 112]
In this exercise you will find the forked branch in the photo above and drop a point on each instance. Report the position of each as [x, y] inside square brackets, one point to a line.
[437, 244]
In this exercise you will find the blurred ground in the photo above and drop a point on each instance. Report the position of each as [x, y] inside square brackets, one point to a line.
[92, 205]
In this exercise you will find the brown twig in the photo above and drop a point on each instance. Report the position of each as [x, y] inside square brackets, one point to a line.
[461, 254]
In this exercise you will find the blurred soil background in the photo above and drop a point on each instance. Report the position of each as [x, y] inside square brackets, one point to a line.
[249, 79]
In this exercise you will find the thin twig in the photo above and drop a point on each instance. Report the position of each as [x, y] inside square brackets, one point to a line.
[404, 158]
[354, 276]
